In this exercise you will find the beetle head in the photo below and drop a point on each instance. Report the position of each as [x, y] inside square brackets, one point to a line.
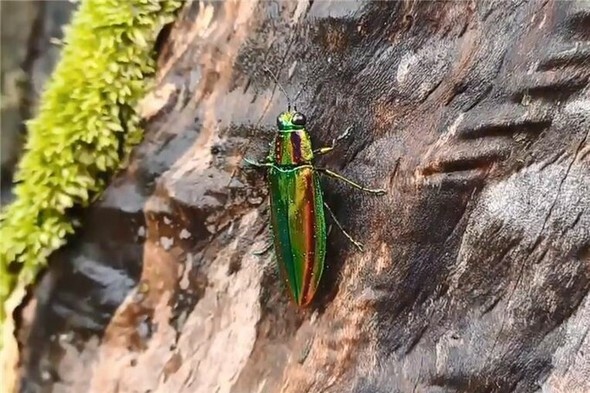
[291, 120]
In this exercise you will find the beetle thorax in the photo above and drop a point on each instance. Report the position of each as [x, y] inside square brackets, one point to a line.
[292, 148]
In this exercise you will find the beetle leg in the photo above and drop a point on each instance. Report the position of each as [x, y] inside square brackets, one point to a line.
[327, 149]
[335, 175]
[358, 245]
[323, 150]
[264, 250]
[257, 164]
[306, 350]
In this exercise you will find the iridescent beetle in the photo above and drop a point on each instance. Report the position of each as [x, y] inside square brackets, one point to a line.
[297, 204]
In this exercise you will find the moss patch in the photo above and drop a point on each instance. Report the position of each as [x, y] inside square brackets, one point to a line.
[85, 127]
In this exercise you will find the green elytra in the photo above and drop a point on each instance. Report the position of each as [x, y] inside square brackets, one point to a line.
[297, 204]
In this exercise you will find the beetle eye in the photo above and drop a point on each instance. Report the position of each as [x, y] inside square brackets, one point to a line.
[298, 119]
[279, 122]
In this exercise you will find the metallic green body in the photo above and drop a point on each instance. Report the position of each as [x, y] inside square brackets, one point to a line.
[297, 210]
[299, 228]
[297, 206]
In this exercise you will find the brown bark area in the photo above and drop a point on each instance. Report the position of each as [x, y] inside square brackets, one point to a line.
[473, 115]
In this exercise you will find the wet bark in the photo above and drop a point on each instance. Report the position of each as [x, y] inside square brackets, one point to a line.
[475, 118]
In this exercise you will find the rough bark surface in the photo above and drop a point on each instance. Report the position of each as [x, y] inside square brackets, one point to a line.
[473, 115]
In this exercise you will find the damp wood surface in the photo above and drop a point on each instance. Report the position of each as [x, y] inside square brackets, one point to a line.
[474, 116]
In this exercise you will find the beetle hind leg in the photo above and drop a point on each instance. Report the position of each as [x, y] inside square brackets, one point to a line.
[356, 243]
[264, 250]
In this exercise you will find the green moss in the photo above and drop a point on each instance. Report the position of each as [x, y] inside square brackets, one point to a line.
[86, 116]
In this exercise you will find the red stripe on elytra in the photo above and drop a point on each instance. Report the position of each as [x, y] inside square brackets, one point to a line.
[296, 147]
[309, 222]
[278, 149]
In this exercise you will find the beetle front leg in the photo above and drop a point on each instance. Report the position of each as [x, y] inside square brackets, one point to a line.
[357, 244]
[257, 164]
[377, 191]
[327, 149]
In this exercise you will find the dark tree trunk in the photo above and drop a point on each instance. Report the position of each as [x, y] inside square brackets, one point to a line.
[475, 118]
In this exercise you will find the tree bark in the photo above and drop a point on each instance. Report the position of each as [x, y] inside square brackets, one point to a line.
[476, 272]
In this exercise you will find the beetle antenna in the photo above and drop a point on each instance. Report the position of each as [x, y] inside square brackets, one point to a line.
[266, 69]
[300, 91]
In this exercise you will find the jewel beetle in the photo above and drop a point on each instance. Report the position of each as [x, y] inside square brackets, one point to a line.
[297, 204]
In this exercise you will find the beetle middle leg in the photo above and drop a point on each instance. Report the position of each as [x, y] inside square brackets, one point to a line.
[357, 244]
[377, 191]
[327, 149]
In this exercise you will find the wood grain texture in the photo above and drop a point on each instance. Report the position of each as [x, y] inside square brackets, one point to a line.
[473, 115]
